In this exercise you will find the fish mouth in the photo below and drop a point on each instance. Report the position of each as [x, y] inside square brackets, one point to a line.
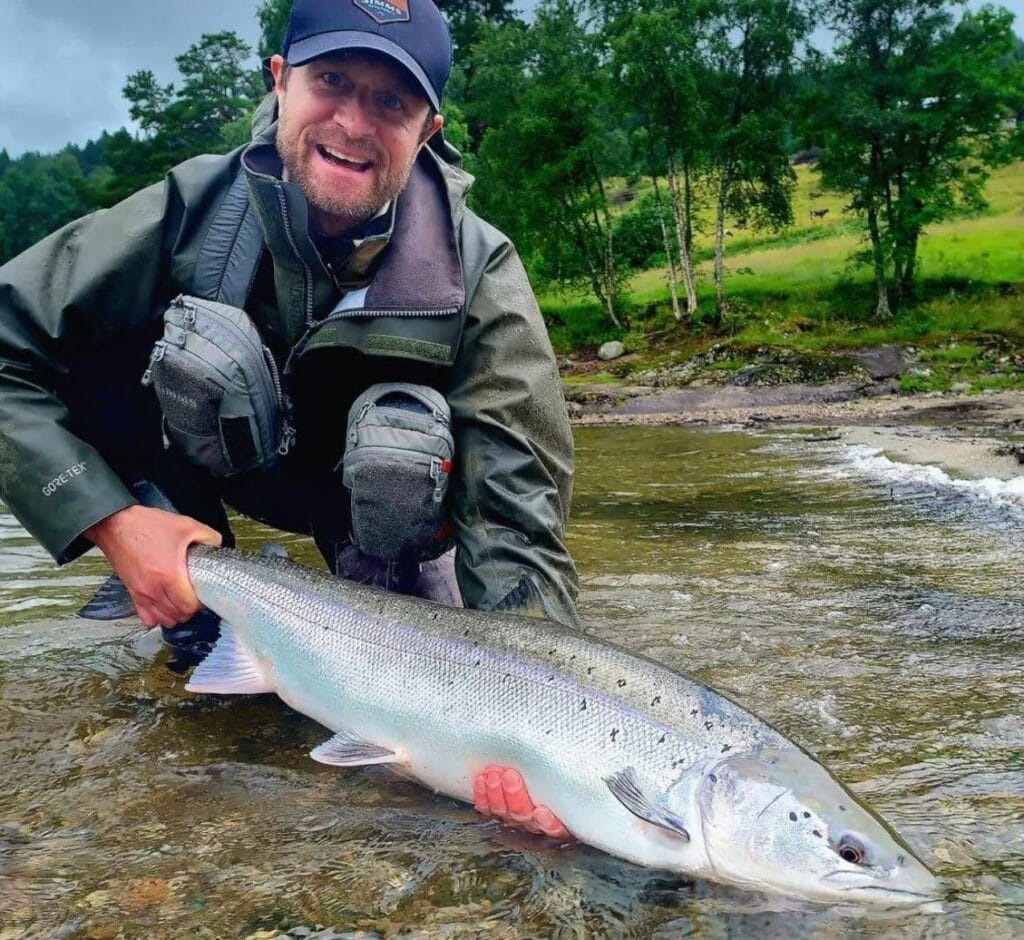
[899, 892]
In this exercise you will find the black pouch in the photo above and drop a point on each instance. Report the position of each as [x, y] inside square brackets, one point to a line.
[219, 388]
[398, 460]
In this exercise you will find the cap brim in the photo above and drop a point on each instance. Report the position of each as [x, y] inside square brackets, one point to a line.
[306, 50]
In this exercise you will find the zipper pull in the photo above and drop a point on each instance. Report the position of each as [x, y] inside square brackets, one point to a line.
[155, 356]
[287, 439]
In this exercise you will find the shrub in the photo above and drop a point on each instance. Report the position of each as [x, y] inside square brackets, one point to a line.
[637, 237]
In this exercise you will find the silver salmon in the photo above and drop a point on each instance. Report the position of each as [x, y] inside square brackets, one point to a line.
[634, 758]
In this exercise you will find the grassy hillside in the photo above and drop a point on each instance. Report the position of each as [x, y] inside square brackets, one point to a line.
[797, 288]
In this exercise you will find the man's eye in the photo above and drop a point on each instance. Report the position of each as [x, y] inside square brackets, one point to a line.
[333, 78]
[390, 102]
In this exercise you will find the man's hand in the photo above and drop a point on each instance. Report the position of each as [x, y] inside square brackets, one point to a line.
[146, 548]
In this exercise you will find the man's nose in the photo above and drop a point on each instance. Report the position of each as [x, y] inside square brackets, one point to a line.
[354, 117]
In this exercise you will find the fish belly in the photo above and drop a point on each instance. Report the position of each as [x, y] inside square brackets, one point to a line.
[448, 730]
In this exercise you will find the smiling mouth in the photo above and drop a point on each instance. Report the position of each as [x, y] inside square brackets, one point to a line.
[339, 158]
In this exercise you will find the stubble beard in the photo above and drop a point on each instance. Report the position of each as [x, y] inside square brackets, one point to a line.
[344, 208]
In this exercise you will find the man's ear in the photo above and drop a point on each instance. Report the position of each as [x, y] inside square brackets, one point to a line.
[429, 130]
[279, 70]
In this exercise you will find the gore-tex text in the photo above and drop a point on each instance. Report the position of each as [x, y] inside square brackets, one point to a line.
[75, 470]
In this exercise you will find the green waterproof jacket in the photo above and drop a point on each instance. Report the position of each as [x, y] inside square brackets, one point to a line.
[70, 300]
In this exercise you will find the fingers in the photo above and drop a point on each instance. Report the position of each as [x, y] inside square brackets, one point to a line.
[495, 793]
[501, 792]
[547, 823]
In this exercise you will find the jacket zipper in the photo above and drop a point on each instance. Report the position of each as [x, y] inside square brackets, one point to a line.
[283, 203]
[361, 312]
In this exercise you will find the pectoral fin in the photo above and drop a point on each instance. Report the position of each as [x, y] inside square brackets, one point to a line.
[348, 749]
[626, 788]
[228, 670]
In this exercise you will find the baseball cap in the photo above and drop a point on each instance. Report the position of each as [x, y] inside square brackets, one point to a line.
[412, 32]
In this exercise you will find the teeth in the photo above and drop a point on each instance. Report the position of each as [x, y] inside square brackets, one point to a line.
[338, 155]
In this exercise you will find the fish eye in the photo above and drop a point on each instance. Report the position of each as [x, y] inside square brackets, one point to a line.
[850, 849]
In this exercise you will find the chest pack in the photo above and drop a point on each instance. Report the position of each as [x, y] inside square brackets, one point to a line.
[225, 403]
[219, 389]
[398, 460]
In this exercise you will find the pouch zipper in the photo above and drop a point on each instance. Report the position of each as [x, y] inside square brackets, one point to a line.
[159, 350]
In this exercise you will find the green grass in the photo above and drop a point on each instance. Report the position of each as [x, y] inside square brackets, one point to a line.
[797, 287]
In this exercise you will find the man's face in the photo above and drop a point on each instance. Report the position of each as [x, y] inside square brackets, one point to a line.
[350, 127]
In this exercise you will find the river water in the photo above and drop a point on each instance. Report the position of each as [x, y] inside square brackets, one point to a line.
[872, 612]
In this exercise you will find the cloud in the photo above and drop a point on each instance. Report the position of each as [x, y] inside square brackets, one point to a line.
[65, 70]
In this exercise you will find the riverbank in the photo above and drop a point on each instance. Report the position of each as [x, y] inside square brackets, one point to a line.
[972, 436]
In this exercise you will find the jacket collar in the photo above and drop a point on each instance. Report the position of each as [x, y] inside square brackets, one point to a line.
[420, 271]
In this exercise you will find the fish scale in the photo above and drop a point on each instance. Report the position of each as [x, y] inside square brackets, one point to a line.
[620, 748]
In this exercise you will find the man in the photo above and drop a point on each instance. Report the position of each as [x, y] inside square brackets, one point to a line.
[343, 232]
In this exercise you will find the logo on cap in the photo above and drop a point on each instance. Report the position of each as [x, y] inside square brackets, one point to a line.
[385, 11]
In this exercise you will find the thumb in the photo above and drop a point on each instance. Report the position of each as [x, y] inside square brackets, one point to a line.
[206, 536]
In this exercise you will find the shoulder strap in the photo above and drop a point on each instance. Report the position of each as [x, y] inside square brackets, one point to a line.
[230, 253]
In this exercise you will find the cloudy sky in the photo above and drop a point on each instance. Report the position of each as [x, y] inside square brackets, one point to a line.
[67, 60]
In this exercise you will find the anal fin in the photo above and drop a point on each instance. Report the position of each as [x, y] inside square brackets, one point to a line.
[228, 669]
[626, 788]
[348, 749]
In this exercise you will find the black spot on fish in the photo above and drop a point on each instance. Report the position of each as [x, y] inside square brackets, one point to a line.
[661, 740]
[655, 700]
[713, 778]
[583, 705]
[548, 731]
[807, 815]
[707, 724]
[477, 663]
[622, 682]
[900, 859]
[615, 731]
[693, 712]
[466, 633]
[551, 678]
[551, 652]
[815, 831]
[792, 816]
[842, 809]
[590, 670]
[725, 747]
[572, 658]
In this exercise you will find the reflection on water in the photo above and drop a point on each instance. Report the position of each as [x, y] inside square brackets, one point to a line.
[878, 629]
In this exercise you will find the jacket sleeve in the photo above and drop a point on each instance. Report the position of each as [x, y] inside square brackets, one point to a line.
[71, 292]
[514, 453]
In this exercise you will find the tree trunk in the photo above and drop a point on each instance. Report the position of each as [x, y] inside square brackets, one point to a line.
[910, 269]
[610, 279]
[685, 262]
[882, 311]
[669, 256]
[688, 230]
[723, 191]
